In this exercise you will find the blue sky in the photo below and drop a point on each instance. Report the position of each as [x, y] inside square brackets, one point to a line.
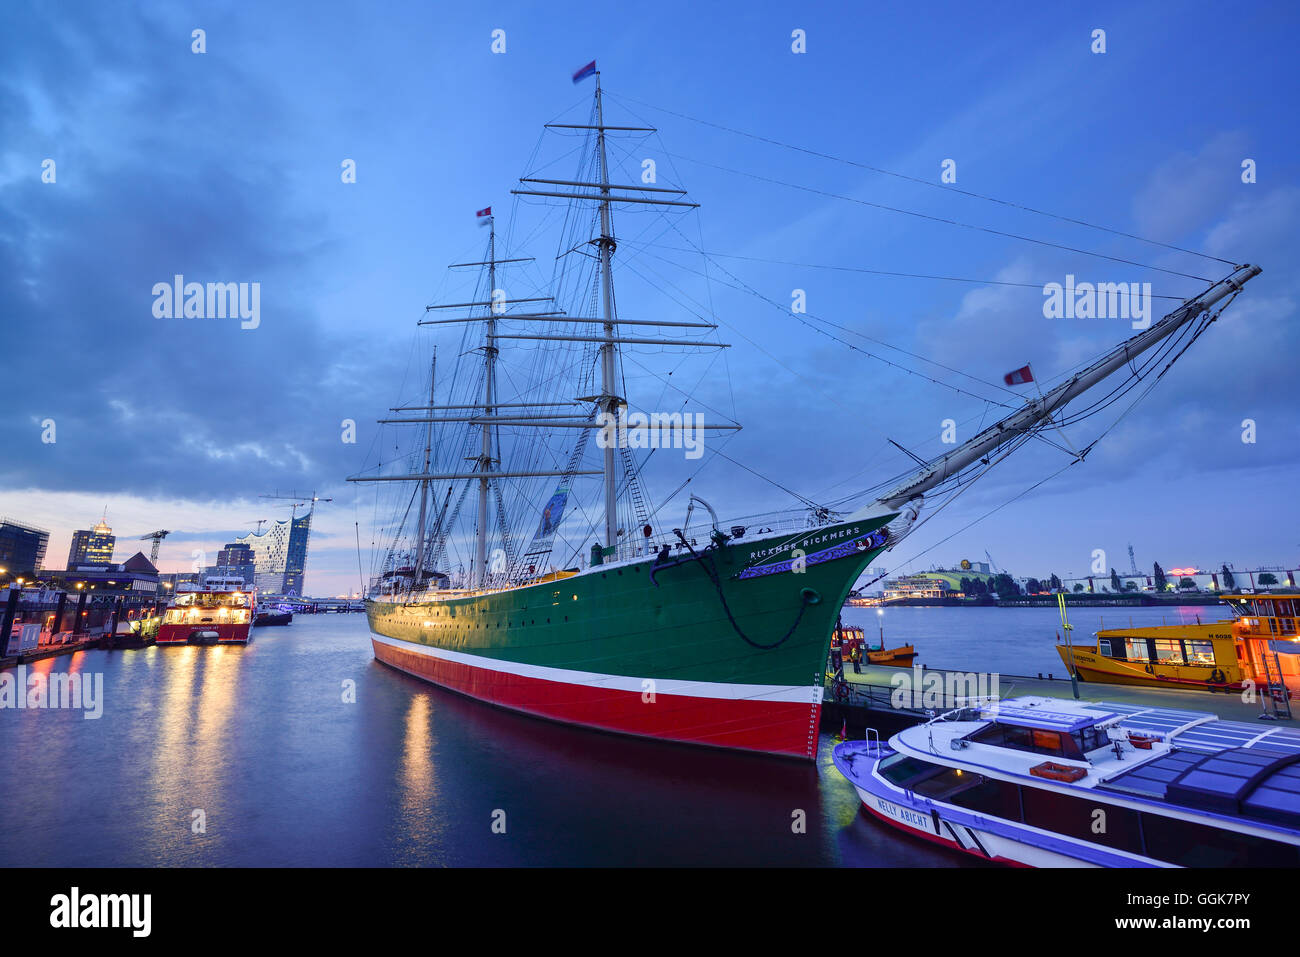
[225, 166]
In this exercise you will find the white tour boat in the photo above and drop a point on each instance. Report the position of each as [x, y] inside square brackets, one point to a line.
[1047, 782]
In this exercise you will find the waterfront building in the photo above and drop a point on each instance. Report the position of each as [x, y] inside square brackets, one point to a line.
[22, 547]
[135, 578]
[235, 561]
[92, 546]
[279, 555]
[937, 583]
[917, 586]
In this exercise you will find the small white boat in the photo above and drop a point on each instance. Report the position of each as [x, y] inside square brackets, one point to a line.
[1049, 782]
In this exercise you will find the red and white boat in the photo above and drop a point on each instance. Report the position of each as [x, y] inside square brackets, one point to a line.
[218, 612]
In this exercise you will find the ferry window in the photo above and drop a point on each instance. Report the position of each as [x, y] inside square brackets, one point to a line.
[1047, 741]
[1103, 646]
[1091, 738]
[1082, 818]
[1168, 651]
[943, 785]
[991, 796]
[1199, 652]
[905, 771]
[1028, 739]
[1196, 845]
[1005, 735]
[1136, 649]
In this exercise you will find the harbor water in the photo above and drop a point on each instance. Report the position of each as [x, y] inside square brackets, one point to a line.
[300, 750]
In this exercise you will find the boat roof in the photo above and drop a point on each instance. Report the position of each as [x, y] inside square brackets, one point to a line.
[1033, 716]
[1229, 769]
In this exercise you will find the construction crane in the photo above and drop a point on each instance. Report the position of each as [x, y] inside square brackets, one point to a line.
[1132, 563]
[259, 523]
[293, 501]
[157, 537]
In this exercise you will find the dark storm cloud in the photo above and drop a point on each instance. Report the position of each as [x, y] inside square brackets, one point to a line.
[168, 162]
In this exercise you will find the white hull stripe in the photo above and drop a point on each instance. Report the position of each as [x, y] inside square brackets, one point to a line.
[800, 694]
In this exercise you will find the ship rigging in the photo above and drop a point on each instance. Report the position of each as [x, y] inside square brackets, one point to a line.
[725, 627]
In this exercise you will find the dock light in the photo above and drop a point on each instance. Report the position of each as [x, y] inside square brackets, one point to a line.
[80, 585]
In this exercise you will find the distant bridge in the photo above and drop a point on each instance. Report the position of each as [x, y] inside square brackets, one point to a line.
[307, 606]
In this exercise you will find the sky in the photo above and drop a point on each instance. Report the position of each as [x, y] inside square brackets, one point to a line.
[225, 166]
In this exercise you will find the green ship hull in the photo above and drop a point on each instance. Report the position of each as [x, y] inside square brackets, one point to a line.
[721, 646]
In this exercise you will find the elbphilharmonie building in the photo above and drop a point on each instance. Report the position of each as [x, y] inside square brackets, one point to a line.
[280, 555]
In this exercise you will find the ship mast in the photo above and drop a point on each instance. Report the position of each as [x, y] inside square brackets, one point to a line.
[1039, 410]
[418, 580]
[606, 194]
[479, 578]
[608, 400]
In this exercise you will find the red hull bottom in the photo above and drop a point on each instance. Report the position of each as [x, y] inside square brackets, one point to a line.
[180, 634]
[782, 728]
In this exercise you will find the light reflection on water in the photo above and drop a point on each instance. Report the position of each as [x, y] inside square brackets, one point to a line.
[288, 772]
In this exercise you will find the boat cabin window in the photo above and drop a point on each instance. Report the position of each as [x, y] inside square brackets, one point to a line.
[1197, 845]
[1200, 652]
[905, 772]
[1037, 740]
[1169, 651]
[1103, 646]
[1135, 649]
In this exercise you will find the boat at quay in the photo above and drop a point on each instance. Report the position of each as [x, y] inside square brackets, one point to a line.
[1050, 782]
[220, 611]
[716, 634]
[1212, 656]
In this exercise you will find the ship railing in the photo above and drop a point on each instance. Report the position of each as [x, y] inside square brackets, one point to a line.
[698, 532]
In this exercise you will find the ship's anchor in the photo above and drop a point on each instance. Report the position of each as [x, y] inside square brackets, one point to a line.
[807, 596]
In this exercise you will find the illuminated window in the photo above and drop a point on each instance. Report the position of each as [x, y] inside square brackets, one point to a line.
[1136, 649]
[1169, 651]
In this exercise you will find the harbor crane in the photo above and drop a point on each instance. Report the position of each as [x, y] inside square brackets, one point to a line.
[296, 502]
[157, 537]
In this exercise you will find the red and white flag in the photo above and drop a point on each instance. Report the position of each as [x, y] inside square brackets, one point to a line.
[484, 216]
[1019, 376]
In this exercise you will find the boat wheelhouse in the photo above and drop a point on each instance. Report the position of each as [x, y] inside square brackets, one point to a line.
[1215, 656]
[1047, 782]
[218, 612]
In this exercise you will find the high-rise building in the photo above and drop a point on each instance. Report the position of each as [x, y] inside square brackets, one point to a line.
[92, 546]
[236, 559]
[22, 547]
[280, 555]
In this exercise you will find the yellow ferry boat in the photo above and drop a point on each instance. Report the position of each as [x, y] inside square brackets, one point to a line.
[1215, 656]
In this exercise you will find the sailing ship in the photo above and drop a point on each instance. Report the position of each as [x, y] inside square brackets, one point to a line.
[714, 634]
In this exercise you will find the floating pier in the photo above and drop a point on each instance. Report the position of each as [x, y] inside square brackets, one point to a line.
[873, 696]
